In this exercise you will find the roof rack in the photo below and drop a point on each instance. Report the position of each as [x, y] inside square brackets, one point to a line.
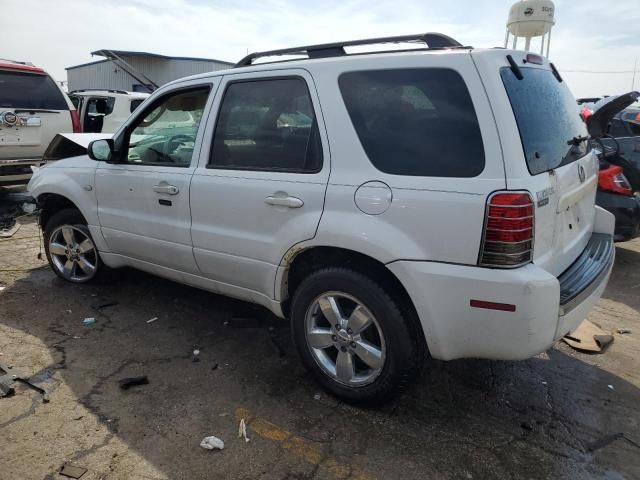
[99, 90]
[433, 41]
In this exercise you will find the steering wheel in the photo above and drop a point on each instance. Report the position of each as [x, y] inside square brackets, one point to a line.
[174, 142]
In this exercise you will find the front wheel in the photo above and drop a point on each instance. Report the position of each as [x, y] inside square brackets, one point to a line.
[70, 250]
[353, 338]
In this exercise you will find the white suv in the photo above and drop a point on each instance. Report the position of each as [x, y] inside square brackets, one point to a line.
[33, 109]
[391, 204]
[104, 111]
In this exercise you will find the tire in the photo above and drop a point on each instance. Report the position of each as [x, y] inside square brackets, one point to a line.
[60, 223]
[401, 341]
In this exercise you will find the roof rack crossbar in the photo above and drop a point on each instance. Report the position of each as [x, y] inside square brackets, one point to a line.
[432, 40]
[112, 90]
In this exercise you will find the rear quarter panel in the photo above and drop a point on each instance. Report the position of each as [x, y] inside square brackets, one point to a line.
[430, 218]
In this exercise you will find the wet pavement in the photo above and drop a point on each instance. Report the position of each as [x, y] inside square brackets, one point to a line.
[562, 414]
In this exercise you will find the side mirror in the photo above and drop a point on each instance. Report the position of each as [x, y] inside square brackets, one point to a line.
[101, 150]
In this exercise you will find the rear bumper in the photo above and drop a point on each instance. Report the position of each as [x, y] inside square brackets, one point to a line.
[17, 171]
[627, 213]
[546, 307]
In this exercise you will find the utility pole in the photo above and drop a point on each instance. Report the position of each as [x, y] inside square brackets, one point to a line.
[633, 79]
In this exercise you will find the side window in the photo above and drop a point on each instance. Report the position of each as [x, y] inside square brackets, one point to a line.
[135, 104]
[617, 129]
[635, 129]
[267, 125]
[418, 122]
[97, 108]
[165, 133]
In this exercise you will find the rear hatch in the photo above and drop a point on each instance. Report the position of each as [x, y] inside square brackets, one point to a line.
[32, 110]
[546, 153]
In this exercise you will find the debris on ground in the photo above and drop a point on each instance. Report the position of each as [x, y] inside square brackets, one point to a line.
[88, 321]
[588, 337]
[28, 207]
[151, 320]
[526, 426]
[196, 355]
[212, 443]
[104, 304]
[242, 430]
[622, 331]
[72, 471]
[127, 383]
[8, 378]
[316, 396]
[610, 387]
[215, 366]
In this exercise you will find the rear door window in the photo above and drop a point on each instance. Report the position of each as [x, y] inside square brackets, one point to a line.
[27, 90]
[547, 117]
[418, 122]
[267, 125]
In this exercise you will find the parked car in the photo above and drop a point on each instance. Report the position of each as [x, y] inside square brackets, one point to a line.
[609, 123]
[439, 200]
[104, 111]
[33, 108]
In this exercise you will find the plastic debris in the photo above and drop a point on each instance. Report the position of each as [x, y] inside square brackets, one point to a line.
[196, 355]
[28, 207]
[621, 331]
[588, 337]
[89, 321]
[151, 320]
[316, 396]
[72, 471]
[212, 443]
[610, 387]
[242, 430]
[215, 366]
[2, 288]
[127, 383]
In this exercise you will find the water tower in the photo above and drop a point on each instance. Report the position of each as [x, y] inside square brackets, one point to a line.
[528, 19]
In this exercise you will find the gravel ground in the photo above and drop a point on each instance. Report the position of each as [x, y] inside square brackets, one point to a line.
[562, 414]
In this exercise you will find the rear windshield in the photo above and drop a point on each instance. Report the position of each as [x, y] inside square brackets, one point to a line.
[548, 119]
[28, 90]
[418, 121]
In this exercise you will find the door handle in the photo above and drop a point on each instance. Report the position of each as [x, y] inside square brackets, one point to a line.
[164, 187]
[283, 201]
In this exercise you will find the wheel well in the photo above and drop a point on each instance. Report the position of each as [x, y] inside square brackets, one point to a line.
[51, 203]
[316, 258]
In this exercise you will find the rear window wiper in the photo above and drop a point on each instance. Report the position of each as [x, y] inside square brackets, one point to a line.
[575, 141]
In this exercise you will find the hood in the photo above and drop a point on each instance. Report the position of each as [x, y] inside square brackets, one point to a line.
[604, 110]
[66, 145]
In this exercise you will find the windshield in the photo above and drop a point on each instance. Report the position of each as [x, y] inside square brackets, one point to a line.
[551, 130]
[28, 90]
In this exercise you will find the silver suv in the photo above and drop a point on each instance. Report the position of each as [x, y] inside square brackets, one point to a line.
[33, 109]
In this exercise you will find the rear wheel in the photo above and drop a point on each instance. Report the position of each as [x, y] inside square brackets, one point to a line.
[353, 338]
[70, 249]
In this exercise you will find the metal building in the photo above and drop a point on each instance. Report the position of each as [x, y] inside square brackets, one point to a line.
[136, 71]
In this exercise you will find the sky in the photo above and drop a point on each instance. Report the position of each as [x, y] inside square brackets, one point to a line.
[589, 35]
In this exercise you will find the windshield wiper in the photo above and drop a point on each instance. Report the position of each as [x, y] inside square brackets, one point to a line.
[575, 141]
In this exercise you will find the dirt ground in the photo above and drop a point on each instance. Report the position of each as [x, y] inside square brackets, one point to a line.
[562, 414]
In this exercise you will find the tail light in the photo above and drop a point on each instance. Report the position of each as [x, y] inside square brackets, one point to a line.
[585, 113]
[507, 239]
[75, 121]
[612, 179]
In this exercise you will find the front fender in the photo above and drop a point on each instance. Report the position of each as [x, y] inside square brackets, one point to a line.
[72, 179]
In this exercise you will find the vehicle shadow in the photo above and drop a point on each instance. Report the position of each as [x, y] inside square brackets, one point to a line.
[538, 418]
